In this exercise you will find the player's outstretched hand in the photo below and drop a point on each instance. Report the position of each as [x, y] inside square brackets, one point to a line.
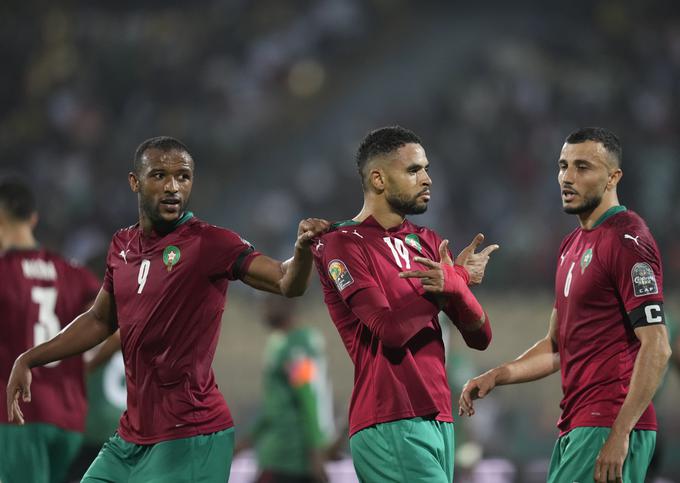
[475, 263]
[19, 384]
[476, 388]
[609, 462]
[434, 278]
[310, 228]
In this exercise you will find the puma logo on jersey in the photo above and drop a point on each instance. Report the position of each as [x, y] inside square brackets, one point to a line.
[634, 238]
[319, 244]
[357, 234]
[123, 255]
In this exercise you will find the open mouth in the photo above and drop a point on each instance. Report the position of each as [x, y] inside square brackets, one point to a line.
[568, 194]
[171, 204]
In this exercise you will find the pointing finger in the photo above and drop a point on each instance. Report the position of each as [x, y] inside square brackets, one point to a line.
[490, 249]
[444, 252]
[426, 262]
[479, 238]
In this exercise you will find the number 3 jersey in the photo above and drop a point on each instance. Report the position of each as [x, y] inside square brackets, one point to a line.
[608, 282]
[40, 293]
[170, 292]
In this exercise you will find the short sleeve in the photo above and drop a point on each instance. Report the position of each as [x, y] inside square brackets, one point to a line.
[346, 265]
[225, 253]
[635, 267]
[108, 274]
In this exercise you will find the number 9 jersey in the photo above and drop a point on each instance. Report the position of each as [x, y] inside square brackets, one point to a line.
[608, 283]
[40, 293]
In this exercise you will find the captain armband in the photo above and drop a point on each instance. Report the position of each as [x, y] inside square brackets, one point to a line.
[650, 313]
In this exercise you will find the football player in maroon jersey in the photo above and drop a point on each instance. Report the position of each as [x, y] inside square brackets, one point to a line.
[165, 288]
[607, 334]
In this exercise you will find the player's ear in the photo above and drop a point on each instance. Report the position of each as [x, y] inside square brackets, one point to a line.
[134, 181]
[614, 178]
[376, 178]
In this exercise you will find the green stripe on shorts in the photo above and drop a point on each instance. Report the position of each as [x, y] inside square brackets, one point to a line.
[406, 450]
[205, 458]
[574, 455]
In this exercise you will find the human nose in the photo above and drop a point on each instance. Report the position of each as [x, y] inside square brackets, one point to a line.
[172, 186]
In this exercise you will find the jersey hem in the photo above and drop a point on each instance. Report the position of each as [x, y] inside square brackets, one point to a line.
[184, 433]
[605, 424]
[440, 416]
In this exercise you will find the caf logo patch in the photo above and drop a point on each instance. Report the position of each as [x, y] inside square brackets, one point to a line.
[644, 281]
[340, 274]
[413, 241]
[171, 256]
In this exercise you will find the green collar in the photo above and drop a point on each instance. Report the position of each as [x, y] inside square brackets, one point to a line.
[338, 224]
[186, 217]
[610, 212]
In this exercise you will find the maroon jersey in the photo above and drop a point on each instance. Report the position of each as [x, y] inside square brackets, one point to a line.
[170, 293]
[603, 274]
[40, 293]
[390, 383]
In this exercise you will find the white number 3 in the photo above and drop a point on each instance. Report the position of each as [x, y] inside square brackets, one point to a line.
[143, 273]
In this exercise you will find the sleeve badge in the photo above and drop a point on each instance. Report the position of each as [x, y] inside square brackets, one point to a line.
[644, 281]
[340, 274]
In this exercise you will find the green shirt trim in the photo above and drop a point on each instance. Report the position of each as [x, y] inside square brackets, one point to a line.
[185, 217]
[610, 212]
[339, 224]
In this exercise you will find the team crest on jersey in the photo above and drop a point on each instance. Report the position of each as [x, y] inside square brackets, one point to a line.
[340, 274]
[413, 240]
[586, 259]
[171, 256]
[644, 281]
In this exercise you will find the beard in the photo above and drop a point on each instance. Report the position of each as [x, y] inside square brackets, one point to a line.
[152, 212]
[589, 204]
[406, 205]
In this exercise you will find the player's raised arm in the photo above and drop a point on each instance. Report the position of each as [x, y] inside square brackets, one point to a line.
[289, 278]
[541, 360]
[86, 331]
[449, 283]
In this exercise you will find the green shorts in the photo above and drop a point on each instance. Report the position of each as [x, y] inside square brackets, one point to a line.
[573, 459]
[404, 451]
[205, 458]
[37, 452]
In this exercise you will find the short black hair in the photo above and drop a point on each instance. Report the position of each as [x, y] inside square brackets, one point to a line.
[17, 199]
[600, 135]
[382, 141]
[164, 143]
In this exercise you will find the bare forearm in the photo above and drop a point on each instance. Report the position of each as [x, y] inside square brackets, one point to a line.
[536, 363]
[296, 273]
[85, 332]
[650, 365]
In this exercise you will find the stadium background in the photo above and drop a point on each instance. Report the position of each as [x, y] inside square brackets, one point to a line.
[273, 96]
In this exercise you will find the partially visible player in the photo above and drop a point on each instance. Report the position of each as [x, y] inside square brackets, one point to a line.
[295, 427]
[40, 292]
[607, 334]
[165, 288]
[385, 281]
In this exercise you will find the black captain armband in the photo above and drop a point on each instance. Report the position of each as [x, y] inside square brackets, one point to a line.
[650, 313]
[238, 264]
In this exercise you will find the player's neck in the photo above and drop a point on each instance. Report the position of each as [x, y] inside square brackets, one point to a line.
[589, 219]
[21, 238]
[383, 213]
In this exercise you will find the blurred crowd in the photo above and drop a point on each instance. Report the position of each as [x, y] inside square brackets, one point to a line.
[273, 97]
